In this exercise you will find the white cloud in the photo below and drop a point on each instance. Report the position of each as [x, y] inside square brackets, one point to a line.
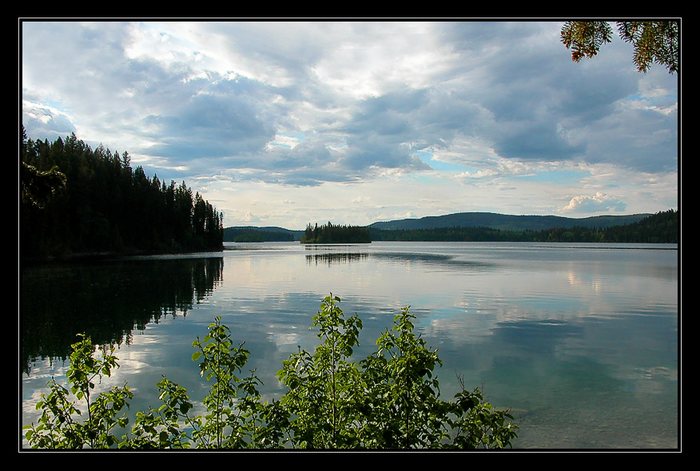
[46, 121]
[288, 105]
[594, 203]
[280, 140]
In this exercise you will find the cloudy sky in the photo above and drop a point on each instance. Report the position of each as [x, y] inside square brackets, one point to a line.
[284, 123]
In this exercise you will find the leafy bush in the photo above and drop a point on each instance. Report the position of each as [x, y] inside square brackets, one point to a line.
[59, 426]
[389, 400]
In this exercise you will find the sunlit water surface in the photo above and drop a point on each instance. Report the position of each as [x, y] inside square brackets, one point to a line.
[579, 340]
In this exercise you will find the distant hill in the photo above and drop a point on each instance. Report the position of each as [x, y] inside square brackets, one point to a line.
[260, 234]
[658, 228]
[469, 226]
[506, 222]
[661, 227]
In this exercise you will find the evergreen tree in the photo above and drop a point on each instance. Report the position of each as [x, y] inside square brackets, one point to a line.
[653, 41]
[79, 200]
[330, 234]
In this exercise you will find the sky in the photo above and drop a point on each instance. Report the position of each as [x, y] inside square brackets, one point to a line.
[286, 123]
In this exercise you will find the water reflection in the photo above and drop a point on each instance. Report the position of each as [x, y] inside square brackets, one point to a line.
[329, 258]
[446, 260]
[603, 380]
[106, 300]
[581, 343]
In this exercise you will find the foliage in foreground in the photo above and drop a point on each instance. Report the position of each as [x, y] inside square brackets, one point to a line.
[389, 400]
[653, 41]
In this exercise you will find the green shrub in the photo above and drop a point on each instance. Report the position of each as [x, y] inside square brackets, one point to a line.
[389, 400]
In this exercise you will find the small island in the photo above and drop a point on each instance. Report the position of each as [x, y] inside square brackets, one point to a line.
[330, 234]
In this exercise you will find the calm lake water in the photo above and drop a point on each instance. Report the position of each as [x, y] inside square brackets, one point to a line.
[579, 340]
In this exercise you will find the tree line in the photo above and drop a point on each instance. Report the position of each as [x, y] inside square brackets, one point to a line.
[79, 200]
[234, 234]
[661, 227]
[330, 234]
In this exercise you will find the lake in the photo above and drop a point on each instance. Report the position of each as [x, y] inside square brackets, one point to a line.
[579, 340]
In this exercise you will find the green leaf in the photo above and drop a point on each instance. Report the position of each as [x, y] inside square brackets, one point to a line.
[388, 400]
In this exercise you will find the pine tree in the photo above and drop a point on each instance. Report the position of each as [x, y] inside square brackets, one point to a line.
[79, 200]
[653, 41]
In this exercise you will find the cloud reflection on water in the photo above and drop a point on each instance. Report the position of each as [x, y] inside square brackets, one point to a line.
[552, 332]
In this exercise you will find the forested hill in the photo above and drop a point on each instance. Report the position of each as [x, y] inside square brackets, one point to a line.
[78, 200]
[506, 222]
[662, 227]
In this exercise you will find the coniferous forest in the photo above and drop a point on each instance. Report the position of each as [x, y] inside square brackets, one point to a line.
[250, 234]
[330, 234]
[77, 201]
[662, 227]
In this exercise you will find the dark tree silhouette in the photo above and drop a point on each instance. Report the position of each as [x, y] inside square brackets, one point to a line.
[78, 200]
[330, 234]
